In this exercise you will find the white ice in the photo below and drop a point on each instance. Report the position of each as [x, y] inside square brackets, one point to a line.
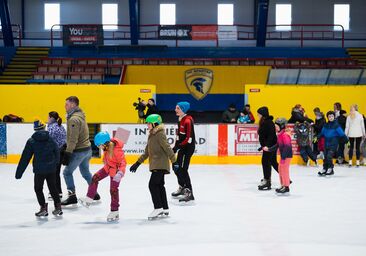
[321, 216]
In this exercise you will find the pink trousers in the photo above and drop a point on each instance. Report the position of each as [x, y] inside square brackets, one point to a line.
[92, 190]
[284, 170]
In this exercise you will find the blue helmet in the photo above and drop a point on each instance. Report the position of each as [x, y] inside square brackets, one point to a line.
[101, 138]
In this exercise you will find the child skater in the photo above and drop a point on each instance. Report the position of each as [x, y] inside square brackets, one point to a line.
[114, 167]
[285, 148]
[159, 152]
[46, 157]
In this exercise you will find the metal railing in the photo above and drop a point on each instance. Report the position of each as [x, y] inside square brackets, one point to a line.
[17, 33]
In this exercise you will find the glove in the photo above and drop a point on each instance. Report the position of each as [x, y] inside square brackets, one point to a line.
[175, 166]
[134, 167]
[119, 175]
[176, 148]
[315, 139]
[66, 159]
[348, 144]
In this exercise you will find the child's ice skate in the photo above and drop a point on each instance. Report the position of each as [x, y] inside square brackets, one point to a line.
[282, 190]
[58, 210]
[113, 216]
[155, 214]
[85, 201]
[179, 192]
[264, 185]
[166, 212]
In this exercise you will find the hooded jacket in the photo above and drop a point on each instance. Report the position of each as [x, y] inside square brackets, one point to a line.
[158, 150]
[267, 132]
[77, 138]
[116, 162]
[45, 152]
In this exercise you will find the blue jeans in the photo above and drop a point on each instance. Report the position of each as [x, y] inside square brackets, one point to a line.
[81, 160]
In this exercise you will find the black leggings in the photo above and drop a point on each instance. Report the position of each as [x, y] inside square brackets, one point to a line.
[183, 159]
[358, 147]
[269, 159]
[157, 189]
[51, 183]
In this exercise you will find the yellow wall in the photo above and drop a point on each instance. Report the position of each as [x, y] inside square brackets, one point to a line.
[281, 98]
[170, 79]
[101, 103]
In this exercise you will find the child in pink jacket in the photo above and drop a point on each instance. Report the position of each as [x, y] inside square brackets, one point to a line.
[285, 148]
[114, 167]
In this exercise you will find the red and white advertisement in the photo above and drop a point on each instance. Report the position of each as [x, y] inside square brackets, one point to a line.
[247, 141]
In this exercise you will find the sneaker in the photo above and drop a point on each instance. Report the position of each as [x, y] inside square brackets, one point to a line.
[179, 192]
[330, 171]
[155, 213]
[43, 211]
[71, 199]
[57, 211]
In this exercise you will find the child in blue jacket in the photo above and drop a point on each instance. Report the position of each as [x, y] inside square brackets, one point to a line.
[46, 157]
[333, 134]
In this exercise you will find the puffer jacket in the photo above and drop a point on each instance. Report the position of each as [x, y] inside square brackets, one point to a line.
[158, 150]
[116, 162]
[77, 138]
[332, 132]
[45, 151]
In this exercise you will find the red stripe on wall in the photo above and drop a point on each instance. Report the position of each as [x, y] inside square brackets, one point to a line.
[222, 143]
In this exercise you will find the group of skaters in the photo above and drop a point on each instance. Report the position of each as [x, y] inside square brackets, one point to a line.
[72, 148]
[329, 139]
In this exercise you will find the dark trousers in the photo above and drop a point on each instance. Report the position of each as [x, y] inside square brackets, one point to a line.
[340, 152]
[58, 172]
[358, 147]
[329, 153]
[157, 189]
[51, 183]
[269, 160]
[306, 152]
[183, 159]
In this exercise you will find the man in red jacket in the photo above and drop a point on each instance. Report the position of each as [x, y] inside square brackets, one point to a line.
[185, 146]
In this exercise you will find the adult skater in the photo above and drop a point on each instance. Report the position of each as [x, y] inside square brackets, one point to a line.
[114, 166]
[78, 151]
[355, 131]
[45, 160]
[58, 134]
[159, 152]
[333, 134]
[185, 146]
[267, 139]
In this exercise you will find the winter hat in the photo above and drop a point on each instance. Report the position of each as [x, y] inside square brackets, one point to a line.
[184, 106]
[263, 111]
[38, 125]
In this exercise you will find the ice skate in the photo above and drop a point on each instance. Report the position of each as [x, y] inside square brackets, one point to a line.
[357, 163]
[283, 190]
[264, 185]
[96, 197]
[57, 211]
[70, 200]
[179, 192]
[330, 171]
[188, 196]
[350, 163]
[320, 155]
[166, 212]
[85, 201]
[155, 214]
[322, 172]
[43, 211]
[113, 216]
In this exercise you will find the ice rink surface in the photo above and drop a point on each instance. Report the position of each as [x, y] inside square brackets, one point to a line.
[321, 216]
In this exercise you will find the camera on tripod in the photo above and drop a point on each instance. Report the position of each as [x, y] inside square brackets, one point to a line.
[140, 107]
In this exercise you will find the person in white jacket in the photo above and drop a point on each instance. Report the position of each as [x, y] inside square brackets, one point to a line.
[355, 131]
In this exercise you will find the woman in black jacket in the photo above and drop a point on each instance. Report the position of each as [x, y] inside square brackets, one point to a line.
[267, 139]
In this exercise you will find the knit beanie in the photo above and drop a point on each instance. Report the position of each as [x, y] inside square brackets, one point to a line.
[184, 106]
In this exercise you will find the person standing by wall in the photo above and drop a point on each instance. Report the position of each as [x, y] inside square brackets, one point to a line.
[58, 134]
[355, 131]
[159, 152]
[185, 146]
[78, 151]
[267, 139]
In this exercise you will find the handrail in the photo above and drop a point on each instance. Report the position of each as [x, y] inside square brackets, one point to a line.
[17, 29]
[301, 32]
